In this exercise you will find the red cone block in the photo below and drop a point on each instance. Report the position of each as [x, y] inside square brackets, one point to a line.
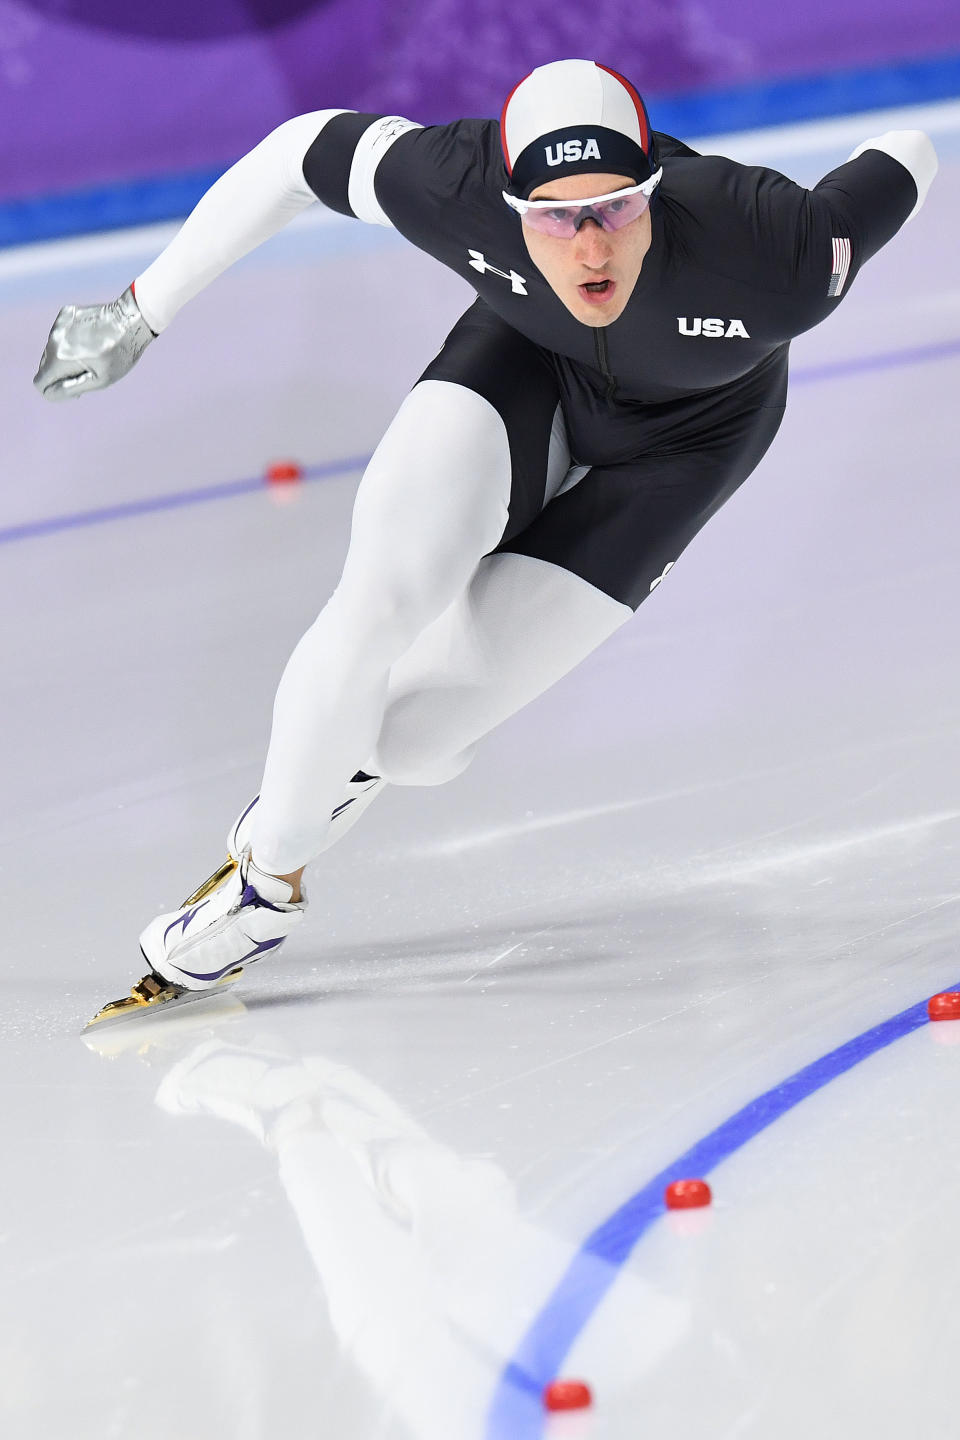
[945, 1006]
[566, 1395]
[687, 1194]
[284, 472]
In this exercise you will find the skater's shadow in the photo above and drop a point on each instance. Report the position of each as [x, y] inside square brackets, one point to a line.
[449, 957]
[688, 939]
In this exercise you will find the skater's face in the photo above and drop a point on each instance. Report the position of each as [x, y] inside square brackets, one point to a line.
[594, 271]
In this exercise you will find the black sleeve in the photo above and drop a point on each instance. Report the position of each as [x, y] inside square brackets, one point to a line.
[871, 197]
[441, 177]
[811, 243]
[326, 165]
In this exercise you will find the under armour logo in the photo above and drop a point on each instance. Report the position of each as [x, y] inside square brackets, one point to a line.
[517, 283]
[666, 571]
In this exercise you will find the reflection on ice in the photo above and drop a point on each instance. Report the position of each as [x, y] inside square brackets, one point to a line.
[429, 1271]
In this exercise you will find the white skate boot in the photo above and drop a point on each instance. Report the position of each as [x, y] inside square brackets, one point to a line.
[237, 917]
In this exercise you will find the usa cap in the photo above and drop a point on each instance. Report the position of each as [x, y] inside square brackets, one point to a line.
[572, 117]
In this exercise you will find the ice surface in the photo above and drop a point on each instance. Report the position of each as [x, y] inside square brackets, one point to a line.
[333, 1201]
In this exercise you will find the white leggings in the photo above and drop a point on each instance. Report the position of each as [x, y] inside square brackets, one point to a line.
[428, 641]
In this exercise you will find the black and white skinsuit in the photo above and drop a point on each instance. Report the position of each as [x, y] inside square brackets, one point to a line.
[543, 476]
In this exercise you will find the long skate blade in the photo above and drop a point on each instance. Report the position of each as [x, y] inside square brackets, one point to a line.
[152, 994]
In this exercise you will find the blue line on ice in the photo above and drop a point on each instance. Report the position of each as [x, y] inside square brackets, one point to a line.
[36, 529]
[516, 1411]
[127, 509]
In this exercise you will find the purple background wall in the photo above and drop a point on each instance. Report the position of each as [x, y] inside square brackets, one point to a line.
[93, 92]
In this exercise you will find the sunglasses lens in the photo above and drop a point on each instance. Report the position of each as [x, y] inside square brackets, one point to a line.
[563, 221]
[616, 213]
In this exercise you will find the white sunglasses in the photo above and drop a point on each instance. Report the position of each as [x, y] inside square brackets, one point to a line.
[564, 218]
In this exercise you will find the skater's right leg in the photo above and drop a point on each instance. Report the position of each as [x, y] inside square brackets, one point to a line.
[433, 501]
[464, 463]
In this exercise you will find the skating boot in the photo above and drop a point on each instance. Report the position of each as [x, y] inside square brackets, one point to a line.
[236, 917]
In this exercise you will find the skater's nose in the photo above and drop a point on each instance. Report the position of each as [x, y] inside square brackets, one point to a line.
[591, 246]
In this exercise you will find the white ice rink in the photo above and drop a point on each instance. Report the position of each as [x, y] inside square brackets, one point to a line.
[392, 1184]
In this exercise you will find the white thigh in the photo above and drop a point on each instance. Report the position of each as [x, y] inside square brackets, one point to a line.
[432, 501]
[521, 625]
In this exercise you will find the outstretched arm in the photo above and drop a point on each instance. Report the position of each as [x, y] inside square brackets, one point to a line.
[288, 171]
[254, 199]
[93, 346]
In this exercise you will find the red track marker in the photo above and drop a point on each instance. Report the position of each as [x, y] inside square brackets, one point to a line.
[945, 1006]
[687, 1194]
[566, 1395]
[284, 472]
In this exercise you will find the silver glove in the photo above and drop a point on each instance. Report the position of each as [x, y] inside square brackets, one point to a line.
[91, 346]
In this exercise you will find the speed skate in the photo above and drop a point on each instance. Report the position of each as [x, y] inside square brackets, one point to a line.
[154, 992]
[236, 917]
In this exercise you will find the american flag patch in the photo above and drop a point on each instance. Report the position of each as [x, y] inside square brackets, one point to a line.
[841, 266]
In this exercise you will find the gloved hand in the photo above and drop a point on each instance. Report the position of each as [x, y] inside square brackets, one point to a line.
[91, 346]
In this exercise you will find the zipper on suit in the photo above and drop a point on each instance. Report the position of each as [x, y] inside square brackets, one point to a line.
[603, 361]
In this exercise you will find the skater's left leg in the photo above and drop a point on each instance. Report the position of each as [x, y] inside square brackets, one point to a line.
[520, 627]
[554, 592]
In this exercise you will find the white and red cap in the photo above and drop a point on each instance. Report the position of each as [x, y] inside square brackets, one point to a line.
[572, 117]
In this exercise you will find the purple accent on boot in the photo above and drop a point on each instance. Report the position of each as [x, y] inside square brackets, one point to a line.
[261, 949]
[252, 897]
[218, 974]
[185, 919]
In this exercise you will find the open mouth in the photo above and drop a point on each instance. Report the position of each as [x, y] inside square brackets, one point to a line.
[596, 291]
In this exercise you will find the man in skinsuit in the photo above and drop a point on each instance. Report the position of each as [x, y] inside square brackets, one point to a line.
[622, 372]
